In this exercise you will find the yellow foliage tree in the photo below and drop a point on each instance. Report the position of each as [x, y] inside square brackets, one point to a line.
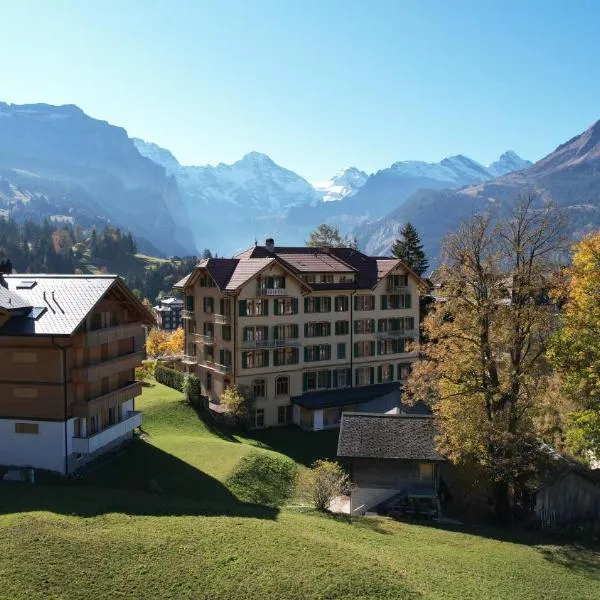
[163, 343]
[575, 350]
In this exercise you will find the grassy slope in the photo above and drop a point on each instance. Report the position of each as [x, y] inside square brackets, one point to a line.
[195, 540]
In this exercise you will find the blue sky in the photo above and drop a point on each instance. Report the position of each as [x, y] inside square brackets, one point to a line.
[317, 85]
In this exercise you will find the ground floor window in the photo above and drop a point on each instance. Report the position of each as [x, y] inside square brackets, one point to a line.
[259, 417]
[404, 371]
[259, 388]
[282, 386]
[284, 415]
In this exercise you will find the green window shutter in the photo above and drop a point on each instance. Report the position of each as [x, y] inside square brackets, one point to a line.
[327, 304]
[356, 377]
[335, 379]
[328, 379]
[222, 357]
[356, 350]
[372, 348]
[384, 302]
[275, 332]
[305, 382]
[305, 353]
[244, 360]
[379, 374]
[265, 308]
[355, 302]
[276, 307]
[266, 332]
[266, 358]
[356, 326]
[372, 325]
[295, 356]
[283, 281]
[305, 329]
[245, 333]
[242, 308]
[306, 304]
[317, 304]
[390, 374]
[349, 376]
[275, 358]
[407, 301]
[270, 282]
[380, 325]
[337, 328]
[400, 345]
[295, 330]
[371, 375]
[295, 305]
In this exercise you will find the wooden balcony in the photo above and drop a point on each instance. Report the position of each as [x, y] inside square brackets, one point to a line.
[397, 289]
[216, 367]
[257, 344]
[127, 392]
[110, 334]
[265, 291]
[201, 338]
[107, 367]
[222, 319]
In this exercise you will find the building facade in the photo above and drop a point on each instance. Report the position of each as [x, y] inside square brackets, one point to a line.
[287, 322]
[168, 313]
[69, 346]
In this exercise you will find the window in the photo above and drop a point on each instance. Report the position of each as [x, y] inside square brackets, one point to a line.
[364, 326]
[364, 302]
[226, 333]
[209, 382]
[282, 386]
[254, 334]
[317, 304]
[395, 301]
[208, 329]
[309, 278]
[272, 283]
[225, 307]
[404, 370]
[255, 359]
[342, 378]
[93, 425]
[341, 303]
[385, 373]
[398, 324]
[316, 380]
[341, 351]
[285, 356]
[364, 376]
[397, 281]
[259, 388]
[189, 303]
[209, 304]
[225, 357]
[342, 327]
[322, 329]
[259, 417]
[364, 349]
[285, 332]
[254, 307]
[284, 414]
[327, 278]
[393, 346]
[286, 306]
[27, 428]
[317, 352]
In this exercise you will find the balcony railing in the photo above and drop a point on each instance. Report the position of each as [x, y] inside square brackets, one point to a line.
[127, 392]
[107, 367]
[265, 291]
[397, 333]
[222, 319]
[189, 359]
[111, 334]
[187, 314]
[201, 338]
[209, 364]
[270, 344]
[403, 289]
[96, 441]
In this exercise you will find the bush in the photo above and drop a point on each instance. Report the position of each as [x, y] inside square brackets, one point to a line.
[145, 371]
[239, 403]
[169, 377]
[263, 479]
[191, 388]
[323, 482]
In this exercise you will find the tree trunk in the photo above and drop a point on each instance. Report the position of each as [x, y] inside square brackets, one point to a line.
[502, 502]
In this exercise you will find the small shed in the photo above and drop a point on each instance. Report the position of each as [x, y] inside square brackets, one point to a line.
[394, 459]
[573, 495]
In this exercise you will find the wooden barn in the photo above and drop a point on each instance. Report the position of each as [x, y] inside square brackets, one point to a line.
[571, 496]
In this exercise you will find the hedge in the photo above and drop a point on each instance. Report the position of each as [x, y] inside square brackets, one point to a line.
[169, 377]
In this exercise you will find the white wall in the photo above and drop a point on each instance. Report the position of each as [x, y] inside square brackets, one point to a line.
[44, 450]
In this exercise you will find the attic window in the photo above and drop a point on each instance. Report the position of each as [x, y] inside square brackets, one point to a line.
[26, 284]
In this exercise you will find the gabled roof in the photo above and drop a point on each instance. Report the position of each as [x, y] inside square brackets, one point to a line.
[59, 303]
[10, 300]
[374, 435]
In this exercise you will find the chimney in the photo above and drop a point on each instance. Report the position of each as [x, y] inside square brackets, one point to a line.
[270, 244]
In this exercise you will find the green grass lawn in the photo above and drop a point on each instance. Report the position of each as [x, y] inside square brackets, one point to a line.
[107, 535]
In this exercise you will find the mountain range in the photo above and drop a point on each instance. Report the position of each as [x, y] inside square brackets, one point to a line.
[58, 163]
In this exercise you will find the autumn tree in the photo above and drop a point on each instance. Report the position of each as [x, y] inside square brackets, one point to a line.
[575, 349]
[323, 482]
[484, 367]
[239, 403]
[328, 236]
[409, 249]
[163, 343]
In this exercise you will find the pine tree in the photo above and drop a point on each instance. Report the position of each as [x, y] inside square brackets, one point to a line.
[409, 249]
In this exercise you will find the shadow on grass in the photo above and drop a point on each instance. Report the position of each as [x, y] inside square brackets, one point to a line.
[578, 555]
[369, 523]
[214, 427]
[304, 447]
[139, 480]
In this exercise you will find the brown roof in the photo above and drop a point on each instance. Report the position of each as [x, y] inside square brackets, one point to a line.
[244, 270]
[379, 435]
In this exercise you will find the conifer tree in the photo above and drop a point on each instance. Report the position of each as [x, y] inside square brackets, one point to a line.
[409, 249]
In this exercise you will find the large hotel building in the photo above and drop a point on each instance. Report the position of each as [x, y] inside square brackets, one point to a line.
[311, 331]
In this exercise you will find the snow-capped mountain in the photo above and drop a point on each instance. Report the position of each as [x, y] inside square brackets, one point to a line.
[507, 163]
[343, 184]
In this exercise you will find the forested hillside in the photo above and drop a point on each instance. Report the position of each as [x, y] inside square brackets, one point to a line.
[59, 248]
